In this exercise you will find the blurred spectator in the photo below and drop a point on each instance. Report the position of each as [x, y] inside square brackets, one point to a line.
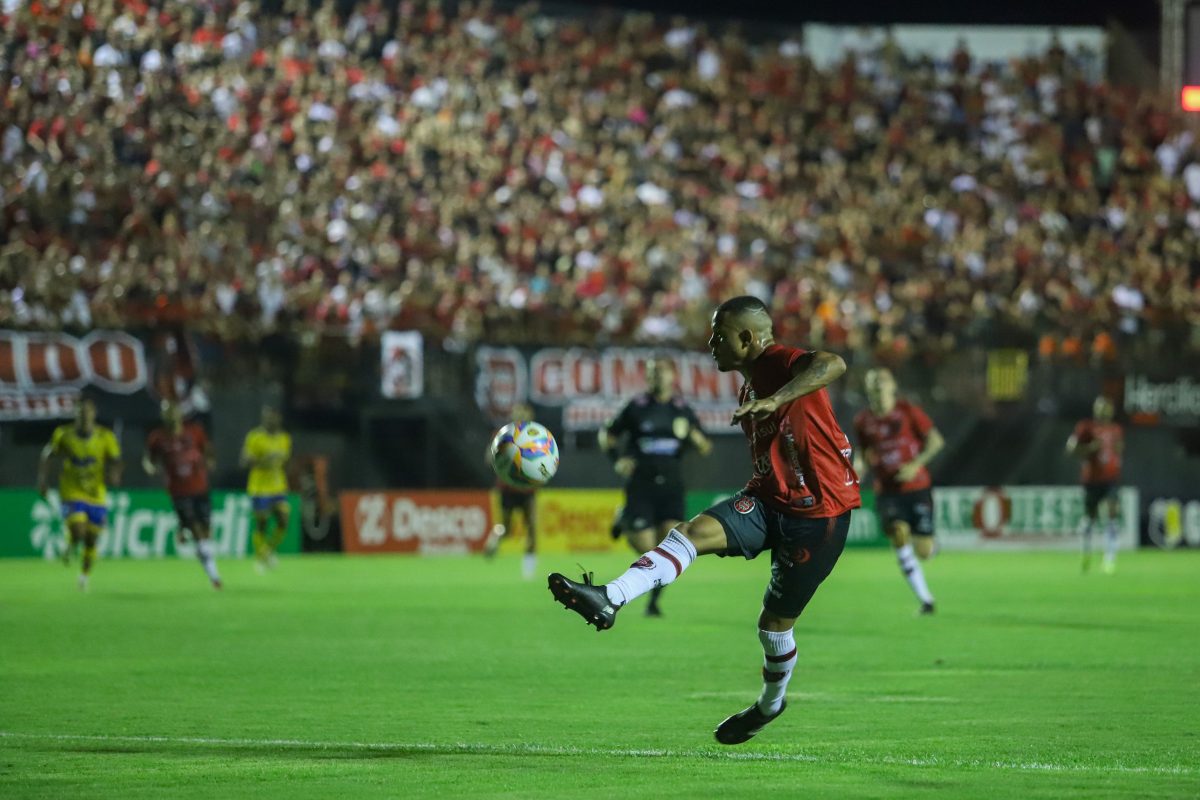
[515, 176]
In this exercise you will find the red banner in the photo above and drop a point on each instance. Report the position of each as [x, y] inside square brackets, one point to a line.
[416, 522]
[41, 374]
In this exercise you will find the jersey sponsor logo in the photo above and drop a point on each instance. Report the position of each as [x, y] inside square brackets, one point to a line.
[743, 504]
[764, 430]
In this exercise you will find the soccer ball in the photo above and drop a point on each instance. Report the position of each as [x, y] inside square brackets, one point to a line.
[524, 455]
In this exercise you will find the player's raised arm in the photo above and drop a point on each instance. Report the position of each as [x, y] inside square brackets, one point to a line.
[811, 372]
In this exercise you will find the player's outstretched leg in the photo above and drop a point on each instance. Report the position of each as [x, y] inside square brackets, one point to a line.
[598, 605]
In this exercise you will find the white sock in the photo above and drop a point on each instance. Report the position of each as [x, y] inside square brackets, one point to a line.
[1110, 541]
[913, 572]
[659, 567]
[529, 565]
[204, 552]
[779, 659]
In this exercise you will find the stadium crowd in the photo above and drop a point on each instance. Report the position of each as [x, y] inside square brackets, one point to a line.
[517, 176]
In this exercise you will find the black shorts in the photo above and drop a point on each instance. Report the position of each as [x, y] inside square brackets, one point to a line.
[915, 508]
[193, 510]
[516, 501]
[649, 506]
[1096, 493]
[803, 550]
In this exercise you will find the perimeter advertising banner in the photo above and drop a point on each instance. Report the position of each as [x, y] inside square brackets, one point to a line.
[978, 517]
[416, 522]
[141, 524]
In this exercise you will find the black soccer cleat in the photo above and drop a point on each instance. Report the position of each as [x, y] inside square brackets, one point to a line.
[926, 609]
[585, 599]
[745, 725]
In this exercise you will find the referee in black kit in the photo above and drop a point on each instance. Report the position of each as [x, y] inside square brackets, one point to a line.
[646, 441]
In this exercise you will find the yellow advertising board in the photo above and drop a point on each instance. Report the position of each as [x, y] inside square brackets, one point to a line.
[568, 521]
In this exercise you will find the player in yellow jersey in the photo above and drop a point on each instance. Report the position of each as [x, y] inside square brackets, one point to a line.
[266, 452]
[91, 461]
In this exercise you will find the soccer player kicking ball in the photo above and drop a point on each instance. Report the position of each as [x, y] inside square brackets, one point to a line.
[90, 457]
[797, 504]
[1099, 442]
[184, 452]
[897, 439]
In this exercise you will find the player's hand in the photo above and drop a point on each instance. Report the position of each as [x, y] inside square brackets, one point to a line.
[625, 466]
[908, 472]
[756, 409]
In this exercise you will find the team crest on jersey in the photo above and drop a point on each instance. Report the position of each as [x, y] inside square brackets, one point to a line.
[680, 427]
[642, 563]
[743, 505]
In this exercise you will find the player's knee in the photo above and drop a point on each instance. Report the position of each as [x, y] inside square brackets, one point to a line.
[643, 540]
[768, 621]
[899, 533]
[705, 533]
[923, 546]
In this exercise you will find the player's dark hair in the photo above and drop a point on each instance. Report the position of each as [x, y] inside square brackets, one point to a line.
[744, 307]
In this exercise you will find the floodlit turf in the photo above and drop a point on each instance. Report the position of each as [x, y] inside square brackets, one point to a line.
[395, 677]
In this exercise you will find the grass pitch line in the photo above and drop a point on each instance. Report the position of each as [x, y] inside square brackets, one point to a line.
[531, 749]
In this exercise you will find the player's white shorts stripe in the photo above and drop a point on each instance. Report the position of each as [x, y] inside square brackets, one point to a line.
[524, 748]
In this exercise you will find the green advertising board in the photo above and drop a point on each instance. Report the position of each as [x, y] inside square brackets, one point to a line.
[141, 524]
[864, 523]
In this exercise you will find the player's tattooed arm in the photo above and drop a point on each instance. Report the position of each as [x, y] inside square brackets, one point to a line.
[811, 372]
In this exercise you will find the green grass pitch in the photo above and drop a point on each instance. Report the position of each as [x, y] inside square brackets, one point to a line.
[399, 677]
